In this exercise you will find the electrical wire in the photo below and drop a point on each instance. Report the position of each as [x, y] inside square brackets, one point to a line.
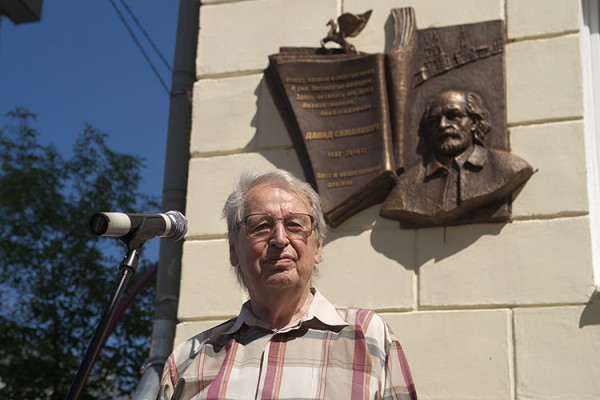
[140, 47]
[148, 38]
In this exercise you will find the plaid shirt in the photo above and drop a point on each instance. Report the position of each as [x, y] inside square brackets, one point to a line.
[327, 354]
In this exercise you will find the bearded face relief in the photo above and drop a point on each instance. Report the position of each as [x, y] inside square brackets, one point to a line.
[458, 180]
[450, 126]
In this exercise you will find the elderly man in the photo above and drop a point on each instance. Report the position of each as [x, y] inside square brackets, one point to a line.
[288, 341]
[458, 174]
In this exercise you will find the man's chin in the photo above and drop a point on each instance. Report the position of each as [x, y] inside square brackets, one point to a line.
[280, 280]
[451, 149]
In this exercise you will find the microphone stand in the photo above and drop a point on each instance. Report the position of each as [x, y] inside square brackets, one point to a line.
[128, 267]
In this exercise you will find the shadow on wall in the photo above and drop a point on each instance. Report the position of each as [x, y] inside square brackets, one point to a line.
[271, 139]
[434, 243]
[273, 143]
[591, 312]
[270, 132]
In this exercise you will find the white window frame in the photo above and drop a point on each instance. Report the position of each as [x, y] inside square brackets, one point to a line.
[590, 54]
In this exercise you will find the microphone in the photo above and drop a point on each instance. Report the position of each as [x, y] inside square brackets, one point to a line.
[171, 225]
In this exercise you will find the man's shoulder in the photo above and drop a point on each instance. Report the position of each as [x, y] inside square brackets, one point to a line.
[212, 335]
[360, 317]
[215, 331]
[366, 324]
[504, 169]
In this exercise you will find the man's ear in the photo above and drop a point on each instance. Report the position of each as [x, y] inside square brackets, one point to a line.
[233, 257]
[474, 124]
[319, 252]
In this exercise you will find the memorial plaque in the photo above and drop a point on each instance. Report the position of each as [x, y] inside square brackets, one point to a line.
[340, 125]
[364, 125]
[447, 89]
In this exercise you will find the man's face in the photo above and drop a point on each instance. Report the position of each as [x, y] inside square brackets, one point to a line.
[451, 128]
[276, 263]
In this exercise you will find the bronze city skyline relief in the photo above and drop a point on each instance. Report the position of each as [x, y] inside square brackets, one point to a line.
[421, 129]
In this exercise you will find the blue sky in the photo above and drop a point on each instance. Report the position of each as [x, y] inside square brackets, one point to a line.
[80, 65]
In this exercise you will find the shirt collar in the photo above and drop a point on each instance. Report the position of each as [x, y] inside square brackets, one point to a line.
[320, 309]
[477, 158]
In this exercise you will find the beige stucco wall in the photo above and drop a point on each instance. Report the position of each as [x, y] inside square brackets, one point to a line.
[487, 311]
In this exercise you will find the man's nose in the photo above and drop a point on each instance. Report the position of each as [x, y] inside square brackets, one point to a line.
[444, 123]
[279, 237]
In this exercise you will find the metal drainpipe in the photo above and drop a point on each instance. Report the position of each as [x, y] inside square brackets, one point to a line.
[174, 196]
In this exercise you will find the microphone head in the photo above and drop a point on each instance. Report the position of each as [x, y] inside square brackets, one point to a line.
[98, 223]
[180, 225]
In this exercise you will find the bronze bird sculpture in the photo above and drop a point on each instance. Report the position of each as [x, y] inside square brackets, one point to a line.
[348, 25]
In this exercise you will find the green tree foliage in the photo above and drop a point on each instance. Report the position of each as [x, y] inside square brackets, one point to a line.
[55, 276]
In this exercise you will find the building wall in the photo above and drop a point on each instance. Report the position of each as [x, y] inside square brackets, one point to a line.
[486, 311]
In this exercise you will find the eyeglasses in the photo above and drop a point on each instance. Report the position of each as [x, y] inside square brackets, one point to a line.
[262, 226]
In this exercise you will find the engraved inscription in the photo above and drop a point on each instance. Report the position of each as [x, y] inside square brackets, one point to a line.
[345, 111]
[329, 104]
[357, 151]
[340, 95]
[342, 179]
[342, 133]
[333, 95]
[358, 172]
[339, 184]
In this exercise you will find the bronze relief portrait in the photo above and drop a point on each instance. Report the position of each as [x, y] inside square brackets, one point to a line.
[458, 179]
